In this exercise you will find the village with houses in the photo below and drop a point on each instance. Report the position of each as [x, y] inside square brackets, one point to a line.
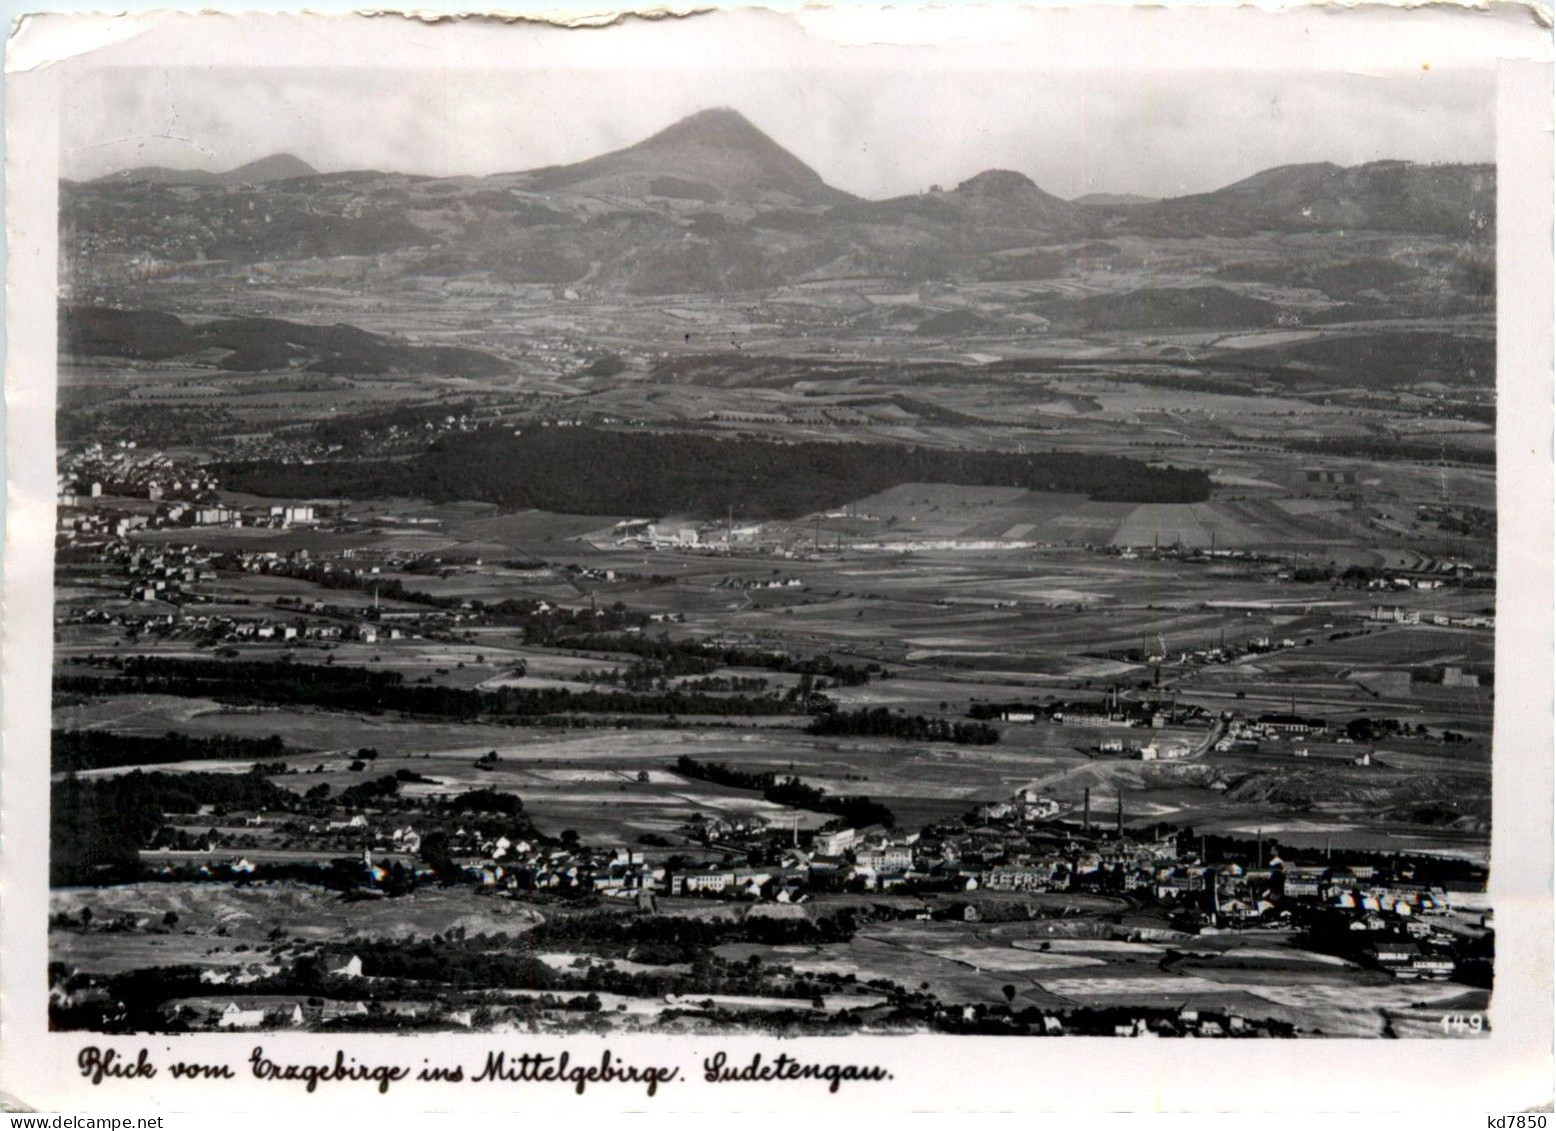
[1023, 865]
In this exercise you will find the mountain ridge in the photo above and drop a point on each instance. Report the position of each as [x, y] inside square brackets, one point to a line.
[272, 167]
[711, 203]
[723, 129]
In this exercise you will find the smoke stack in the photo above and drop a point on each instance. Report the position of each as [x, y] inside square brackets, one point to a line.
[1086, 811]
[1120, 814]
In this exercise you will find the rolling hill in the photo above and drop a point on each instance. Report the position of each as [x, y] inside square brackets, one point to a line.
[276, 167]
[994, 200]
[1382, 196]
[257, 344]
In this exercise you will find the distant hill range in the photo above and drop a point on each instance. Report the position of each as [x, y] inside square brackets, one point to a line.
[712, 203]
[1380, 196]
[1112, 199]
[276, 167]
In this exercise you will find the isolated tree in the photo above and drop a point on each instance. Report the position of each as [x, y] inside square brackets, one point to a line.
[437, 853]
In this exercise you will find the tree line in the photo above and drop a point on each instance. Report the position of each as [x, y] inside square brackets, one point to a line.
[1394, 448]
[676, 938]
[542, 623]
[76, 750]
[344, 688]
[696, 657]
[97, 828]
[595, 471]
[878, 722]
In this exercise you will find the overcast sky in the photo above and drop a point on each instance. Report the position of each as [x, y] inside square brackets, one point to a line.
[877, 132]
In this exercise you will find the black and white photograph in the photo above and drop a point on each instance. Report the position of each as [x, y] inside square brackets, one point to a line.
[778, 550]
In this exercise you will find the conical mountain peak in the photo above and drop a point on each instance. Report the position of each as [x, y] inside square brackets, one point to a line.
[711, 155]
[1000, 183]
[717, 127]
